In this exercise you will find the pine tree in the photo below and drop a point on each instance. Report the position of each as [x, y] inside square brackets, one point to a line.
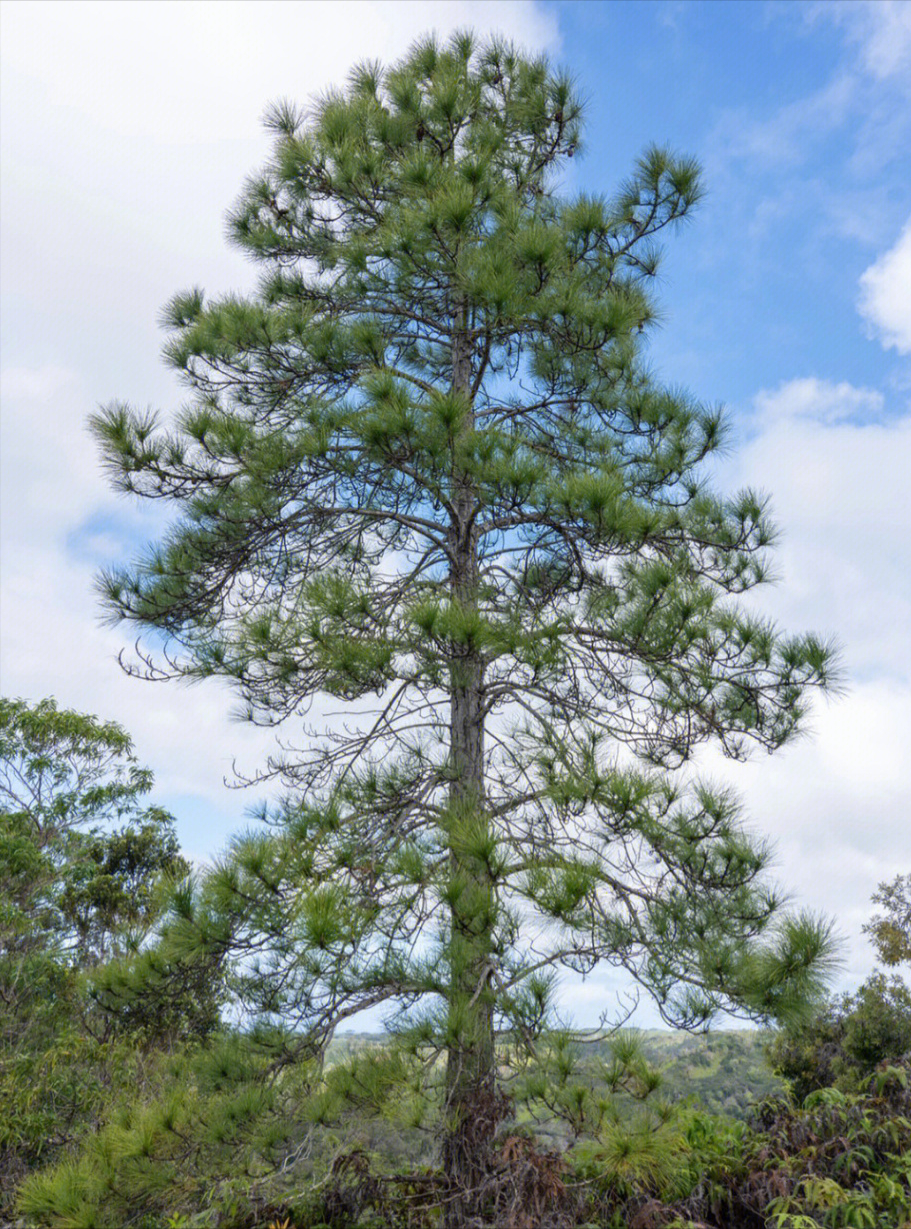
[426, 470]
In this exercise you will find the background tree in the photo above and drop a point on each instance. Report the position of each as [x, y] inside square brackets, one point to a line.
[425, 470]
[82, 863]
[83, 854]
[890, 932]
[842, 1044]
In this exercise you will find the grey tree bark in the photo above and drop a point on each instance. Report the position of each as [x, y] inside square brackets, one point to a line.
[471, 1101]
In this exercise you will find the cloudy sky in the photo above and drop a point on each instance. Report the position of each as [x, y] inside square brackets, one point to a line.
[127, 131]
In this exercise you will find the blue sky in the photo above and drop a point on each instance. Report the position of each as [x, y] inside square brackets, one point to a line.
[805, 151]
[128, 129]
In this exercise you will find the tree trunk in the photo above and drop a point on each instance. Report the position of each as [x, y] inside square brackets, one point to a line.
[471, 1102]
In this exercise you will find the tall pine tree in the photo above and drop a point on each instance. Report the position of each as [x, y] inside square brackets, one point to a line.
[426, 470]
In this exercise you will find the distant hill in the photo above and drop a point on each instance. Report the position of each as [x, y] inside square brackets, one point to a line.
[725, 1070]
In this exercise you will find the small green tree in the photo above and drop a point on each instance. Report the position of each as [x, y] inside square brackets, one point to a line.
[841, 1044]
[426, 471]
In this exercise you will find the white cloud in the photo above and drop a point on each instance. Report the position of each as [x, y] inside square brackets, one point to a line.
[816, 399]
[35, 384]
[53, 642]
[880, 28]
[823, 160]
[837, 803]
[838, 480]
[138, 69]
[127, 132]
[886, 38]
[790, 134]
[48, 474]
[885, 299]
[55, 645]
[835, 806]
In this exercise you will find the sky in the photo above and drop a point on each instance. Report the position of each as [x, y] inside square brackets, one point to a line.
[127, 130]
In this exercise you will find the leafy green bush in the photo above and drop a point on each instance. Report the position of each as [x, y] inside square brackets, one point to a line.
[842, 1044]
[839, 1161]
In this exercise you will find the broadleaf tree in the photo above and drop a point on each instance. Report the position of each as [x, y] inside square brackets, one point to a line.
[890, 931]
[84, 866]
[83, 853]
[425, 471]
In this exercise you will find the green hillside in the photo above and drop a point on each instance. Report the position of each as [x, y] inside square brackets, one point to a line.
[725, 1070]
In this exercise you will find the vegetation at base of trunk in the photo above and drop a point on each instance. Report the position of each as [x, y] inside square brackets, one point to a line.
[835, 1162]
[217, 1133]
[426, 471]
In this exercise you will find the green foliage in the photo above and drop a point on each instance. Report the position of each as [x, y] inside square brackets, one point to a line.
[840, 1160]
[844, 1042]
[84, 868]
[223, 1132]
[725, 1071]
[202, 1137]
[891, 931]
[200, 1131]
[849, 1037]
[72, 881]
